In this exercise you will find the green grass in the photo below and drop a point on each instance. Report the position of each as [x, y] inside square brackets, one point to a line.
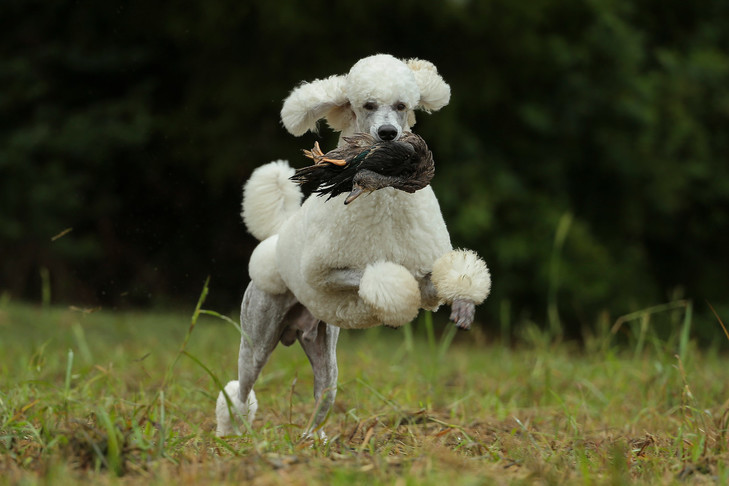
[126, 397]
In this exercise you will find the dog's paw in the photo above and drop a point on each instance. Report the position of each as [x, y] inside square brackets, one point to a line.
[462, 313]
[461, 274]
[313, 435]
[391, 291]
[244, 412]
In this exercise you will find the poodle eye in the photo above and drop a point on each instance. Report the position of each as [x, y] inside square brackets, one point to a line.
[369, 106]
[400, 106]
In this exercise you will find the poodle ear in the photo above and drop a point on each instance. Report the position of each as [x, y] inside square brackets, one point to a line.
[340, 117]
[434, 92]
[310, 102]
[411, 118]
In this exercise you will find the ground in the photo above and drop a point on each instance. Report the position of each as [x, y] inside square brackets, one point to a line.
[101, 397]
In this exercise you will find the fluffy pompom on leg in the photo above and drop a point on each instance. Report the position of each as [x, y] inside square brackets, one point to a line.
[461, 275]
[392, 292]
[243, 411]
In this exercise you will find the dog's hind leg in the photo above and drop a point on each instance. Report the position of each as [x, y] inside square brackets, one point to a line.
[321, 349]
[262, 324]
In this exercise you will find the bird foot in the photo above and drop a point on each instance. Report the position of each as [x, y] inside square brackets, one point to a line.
[317, 156]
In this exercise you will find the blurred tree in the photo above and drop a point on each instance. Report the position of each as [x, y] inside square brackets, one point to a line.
[135, 125]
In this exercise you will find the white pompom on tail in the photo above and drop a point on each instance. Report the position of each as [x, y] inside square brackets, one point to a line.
[269, 198]
[243, 411]
[392, 292]
[461, 274]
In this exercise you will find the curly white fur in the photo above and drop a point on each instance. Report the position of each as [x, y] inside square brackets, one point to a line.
[263, 269]
[461, 274]
[312, 101]
[392, 292]
[385, 226]
[227, 425]
[434, 93]
[384, 79]
[269, 198]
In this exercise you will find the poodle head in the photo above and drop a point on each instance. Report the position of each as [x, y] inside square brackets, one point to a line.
[381, 92]
[378, 96]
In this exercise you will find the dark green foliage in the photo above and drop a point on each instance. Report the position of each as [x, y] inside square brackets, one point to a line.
[135, 124]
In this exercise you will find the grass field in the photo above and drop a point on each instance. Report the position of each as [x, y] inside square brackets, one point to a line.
[125, 397]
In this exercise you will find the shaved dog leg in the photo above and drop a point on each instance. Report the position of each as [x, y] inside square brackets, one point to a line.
[322, 354]
[262, 323]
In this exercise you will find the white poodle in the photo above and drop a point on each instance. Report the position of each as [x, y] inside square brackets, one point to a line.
[323, 265]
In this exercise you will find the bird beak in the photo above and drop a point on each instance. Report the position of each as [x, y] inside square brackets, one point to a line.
[357, 191]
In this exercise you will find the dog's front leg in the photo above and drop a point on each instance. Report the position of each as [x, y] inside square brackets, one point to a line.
[462, 279]
[463, 311]
[388, 289]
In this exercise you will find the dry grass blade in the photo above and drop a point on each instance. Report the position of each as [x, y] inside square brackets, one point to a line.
[726, 333]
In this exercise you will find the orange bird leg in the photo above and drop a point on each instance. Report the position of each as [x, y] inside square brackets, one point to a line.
[317, 156]
[339, 162]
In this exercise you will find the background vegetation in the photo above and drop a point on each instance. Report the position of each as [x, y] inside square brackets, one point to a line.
[128, 397]
[584, 152]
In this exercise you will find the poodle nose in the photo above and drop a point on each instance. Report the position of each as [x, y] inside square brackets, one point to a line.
[387, 132]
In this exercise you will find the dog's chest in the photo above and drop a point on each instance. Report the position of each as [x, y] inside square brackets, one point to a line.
[387, 225]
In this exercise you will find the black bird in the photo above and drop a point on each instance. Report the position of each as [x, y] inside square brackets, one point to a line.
[363, 164]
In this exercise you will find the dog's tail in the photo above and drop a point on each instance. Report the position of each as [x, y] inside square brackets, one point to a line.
[269, 198]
